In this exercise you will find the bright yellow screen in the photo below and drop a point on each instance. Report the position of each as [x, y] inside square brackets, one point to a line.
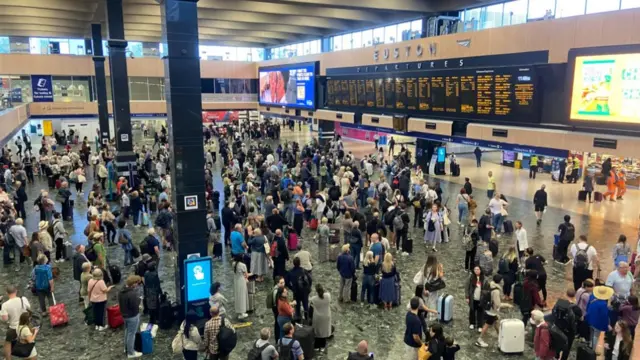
[606, 88]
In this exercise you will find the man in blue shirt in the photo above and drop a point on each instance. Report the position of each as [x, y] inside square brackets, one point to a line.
[287, 343]
[413, 331]
[621, 280]
[238, 245]
[376, 248]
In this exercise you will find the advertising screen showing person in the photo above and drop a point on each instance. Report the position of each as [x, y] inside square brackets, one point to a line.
[292, 86]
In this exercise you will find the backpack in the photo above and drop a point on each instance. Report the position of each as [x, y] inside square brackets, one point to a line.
[227, 338]
[122, 239]
[563, 316]
[503, 266]
[559, 339]
[41, 278]
[486, 264]
[304, 282]
[9, 239]
[144, 247]
[271, 303]
[256, 352]
[389, 217]
[285, 196]
[494, 247]
[570, 233]
[581, 260]
[398, 224]
[467, 242]
[485, 298]
[90, 252]
[619, 257]
[284, 351]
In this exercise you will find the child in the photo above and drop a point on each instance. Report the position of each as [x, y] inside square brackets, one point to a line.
[451, 349]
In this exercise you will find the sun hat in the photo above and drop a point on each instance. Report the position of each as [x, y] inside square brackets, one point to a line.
[43, 225]
[603, 292]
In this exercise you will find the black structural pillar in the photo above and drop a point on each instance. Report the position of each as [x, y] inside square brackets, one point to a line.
[184, 119]
[125, 159]
[101, 84]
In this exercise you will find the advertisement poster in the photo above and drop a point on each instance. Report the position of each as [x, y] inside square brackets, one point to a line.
[606, 88]
[16, 95]
[198, 278]
[215, 117]
[289, 86]
[42, 88]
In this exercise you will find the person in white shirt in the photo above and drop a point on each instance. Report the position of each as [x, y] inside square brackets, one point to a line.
[582, 272]
[19, 234]
[496, 205]
[10, 313]
[305, 258]
[522, 243]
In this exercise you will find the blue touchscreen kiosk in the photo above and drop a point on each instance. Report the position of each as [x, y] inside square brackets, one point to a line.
[198, 279]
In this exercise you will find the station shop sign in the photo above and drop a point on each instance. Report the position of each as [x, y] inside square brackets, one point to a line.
[559, 153]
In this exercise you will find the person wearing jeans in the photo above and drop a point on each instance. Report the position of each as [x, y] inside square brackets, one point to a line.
[129, 301]
[42, 278]
[98, 290]
[370, 267]
[122, 236]
[598, 312]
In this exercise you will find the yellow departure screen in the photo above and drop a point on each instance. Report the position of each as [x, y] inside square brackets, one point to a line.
[606, 88]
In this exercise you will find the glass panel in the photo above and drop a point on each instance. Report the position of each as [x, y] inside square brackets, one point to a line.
[596, 6]
[300, 49]
[378, 36]
[5, 46]
[65, 89]
[337, 43]
[390, 33]
[139, 88]
[76, 47]
[64, 46]
[472, 19]
[34, 46]
[257, 54]
[135, 48]
[315, 47]
[346, 42]
[539, 9]
[630, 4]
[357, 40]
[515, 12]
[244, 54]
[416, 28]
[367, 38]
[565, 8]
[492, 16]
[404, 32]
[156, 88]
[105, 48]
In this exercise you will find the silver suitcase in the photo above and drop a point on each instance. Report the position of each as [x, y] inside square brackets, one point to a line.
[334, 251]
[445, 308]
[251, 304]
[251, 287]
[511, 338]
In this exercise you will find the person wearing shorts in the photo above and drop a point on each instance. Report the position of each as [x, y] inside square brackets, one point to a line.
[491, 315]
[539, 203]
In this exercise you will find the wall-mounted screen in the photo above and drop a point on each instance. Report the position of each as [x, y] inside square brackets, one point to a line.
[291, 86]
[501, 94]
[606, 88]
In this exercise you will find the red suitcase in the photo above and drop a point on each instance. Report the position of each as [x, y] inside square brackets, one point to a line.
[58, 315]
[114, 316]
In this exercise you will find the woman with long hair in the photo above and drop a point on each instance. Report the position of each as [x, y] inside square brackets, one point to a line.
[437, 343]
[630, 312]
[321, 316]
[431, 274]
[618, 343]
[508, 268]
[388, 282]
[217, 299]
[285, 310]
[259, 259]
[27, 335]
[240, 290]
[190, 336]
[473, 294]
[370, 268]
[433, 227]
[323, 240]
[462, 200]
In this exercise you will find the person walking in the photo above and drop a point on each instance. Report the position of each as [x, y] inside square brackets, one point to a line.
[585, 260]
[433, 225]
[522, 242]
[533, 166]
[413, 331]
[539, 203]
[542, 338]
[491, 185]
[478, 153]
[129, 302]
[462, 200]
[597, 315]
[566, 234]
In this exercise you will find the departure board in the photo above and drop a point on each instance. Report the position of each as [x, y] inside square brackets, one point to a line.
[503, 94]
[353, 93]
[389, 93]
[412, 93]
[362, 94]
[401, 93]
[424, 94]
[370, 90]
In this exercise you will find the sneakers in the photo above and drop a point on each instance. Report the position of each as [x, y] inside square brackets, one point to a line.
[101, 328]
[471, 327]
[243, 316]
[480, 329]
[434, 249]
[134, 355]
[481, 343]
[404, 253]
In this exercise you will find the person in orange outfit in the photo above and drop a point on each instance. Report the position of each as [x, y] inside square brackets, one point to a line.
[611, 185]
[621, 184]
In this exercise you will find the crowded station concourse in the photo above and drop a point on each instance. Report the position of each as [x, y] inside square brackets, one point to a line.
[399, 199]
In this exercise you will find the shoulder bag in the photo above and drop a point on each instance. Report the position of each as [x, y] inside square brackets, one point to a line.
[20, 349]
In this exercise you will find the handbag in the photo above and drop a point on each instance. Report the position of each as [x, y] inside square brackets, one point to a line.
[435, 285]
[432, 226]
[177, 344]
[267, 248]
[423, 353]
[26, 251]
[20, 349]
[503, 212]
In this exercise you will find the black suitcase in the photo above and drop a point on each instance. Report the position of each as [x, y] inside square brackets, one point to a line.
[508, 227]
[165, 313]
[354, 290]
[585, 353]
[376, 293]
[582, 195]
[115, 273]
[51, 181]
[518, 291]
[305, 336]
[407, 245]
[398, 299]
[137, 343]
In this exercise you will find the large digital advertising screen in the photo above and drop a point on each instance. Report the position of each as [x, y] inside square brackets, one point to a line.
[606, 88]
[197, 278]
[291, 86]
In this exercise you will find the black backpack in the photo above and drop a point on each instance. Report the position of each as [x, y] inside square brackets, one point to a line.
[304, 282]
[256, 352]
[227, 338]
[564, 317]
[90, 252]
[559, 339]
[284, 351]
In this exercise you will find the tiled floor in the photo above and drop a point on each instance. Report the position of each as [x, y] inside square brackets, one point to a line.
[384, 330]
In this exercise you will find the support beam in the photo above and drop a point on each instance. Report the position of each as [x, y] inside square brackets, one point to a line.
[101, 84]
[184, 120]
[125, 159]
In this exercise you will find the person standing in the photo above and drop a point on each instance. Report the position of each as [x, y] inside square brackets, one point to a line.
[346, 267]
[542, 337]
[522, 242]
[478, 153]
[618, 342]
[563, 170]
[376, 140]
[129, 302]
[300, 282]
[10, 313]
[474, 289]
[211, 331]
[79, 258]
[288, 343]
[97, 292]
[539, 203]
[413, 331]
[585, 257]
[321, 304]
[566, 234]
[597, 314]
[533, 166]
[392, 146]
[587, 185]
[19, 234]
[491, 185]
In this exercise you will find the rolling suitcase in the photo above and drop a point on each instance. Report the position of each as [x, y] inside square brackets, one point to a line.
[354, 289]
[146, 342]
[508, 227]
[585, 353]
[511, 338]
[116, 274]
[68, 251]
[518, 291]
[597, 196]
[582, 195]
[407, 245]
[376, 293]
[445, 308]
[166, 313]
[251, 303]
[305, 336]
[58, 314]
[114, 317]
[334, 251]
[398, 299]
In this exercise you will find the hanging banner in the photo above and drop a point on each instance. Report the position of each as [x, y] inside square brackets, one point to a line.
[42, 88]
